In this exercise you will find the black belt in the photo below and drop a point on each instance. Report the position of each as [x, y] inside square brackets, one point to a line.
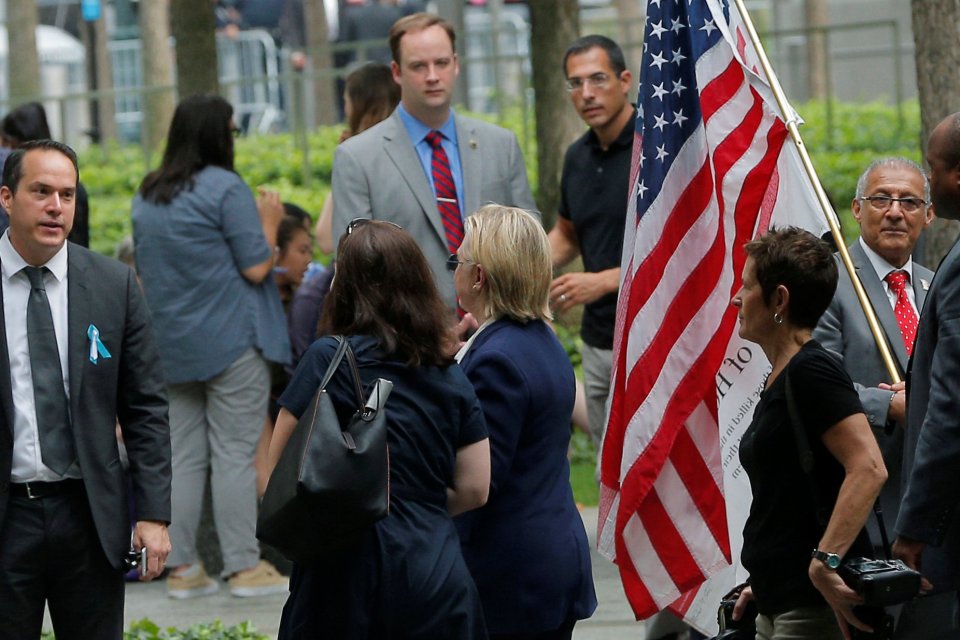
[37, 490]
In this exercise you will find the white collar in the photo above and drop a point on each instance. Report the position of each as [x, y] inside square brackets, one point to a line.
[881, 266]
[469, 343]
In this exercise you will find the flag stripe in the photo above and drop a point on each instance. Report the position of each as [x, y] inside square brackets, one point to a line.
[692, 471]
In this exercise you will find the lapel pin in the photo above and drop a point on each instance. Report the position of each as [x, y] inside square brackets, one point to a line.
[97, 348]
[924, 283]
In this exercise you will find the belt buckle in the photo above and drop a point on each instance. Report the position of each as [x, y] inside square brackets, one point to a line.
[30, 491]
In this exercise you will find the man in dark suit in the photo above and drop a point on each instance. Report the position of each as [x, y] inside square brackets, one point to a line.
[932, 448]
[79, 356]
[425, 167]
[892, 209]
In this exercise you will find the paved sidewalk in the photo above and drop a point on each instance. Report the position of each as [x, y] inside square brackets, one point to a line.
[613, 619]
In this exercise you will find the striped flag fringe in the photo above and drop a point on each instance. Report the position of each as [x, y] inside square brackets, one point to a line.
[712, 168]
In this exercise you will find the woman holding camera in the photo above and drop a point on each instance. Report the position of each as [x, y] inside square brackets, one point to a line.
[788, 281]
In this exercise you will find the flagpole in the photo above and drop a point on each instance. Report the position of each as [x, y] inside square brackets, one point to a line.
[825, 205]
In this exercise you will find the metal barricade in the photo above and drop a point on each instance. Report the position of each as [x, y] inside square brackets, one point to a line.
[248, 70]
[500, 68]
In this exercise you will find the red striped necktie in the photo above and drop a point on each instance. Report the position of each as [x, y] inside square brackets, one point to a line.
[903, 310]
[446, 192]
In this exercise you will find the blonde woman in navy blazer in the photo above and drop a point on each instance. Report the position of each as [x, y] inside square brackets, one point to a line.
[527, 548]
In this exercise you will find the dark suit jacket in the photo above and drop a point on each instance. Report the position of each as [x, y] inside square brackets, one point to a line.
[932, 448]
[128, 387]
[526, 549]
[844, 330]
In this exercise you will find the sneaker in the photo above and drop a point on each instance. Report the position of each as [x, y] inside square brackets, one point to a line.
[190, 583]
[262, 580]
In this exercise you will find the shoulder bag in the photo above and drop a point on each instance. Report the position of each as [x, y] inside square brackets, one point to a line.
[332, 480]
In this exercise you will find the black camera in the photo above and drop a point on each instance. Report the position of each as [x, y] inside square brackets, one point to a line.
[880, 582]
[743, 629]
[877, 619]
[136, 560]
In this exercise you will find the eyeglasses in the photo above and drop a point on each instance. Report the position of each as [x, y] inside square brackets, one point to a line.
[598, 81]
[454, 261]
[907, 205]
[359, 222]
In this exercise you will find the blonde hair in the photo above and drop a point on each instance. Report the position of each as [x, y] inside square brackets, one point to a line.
[512, 247]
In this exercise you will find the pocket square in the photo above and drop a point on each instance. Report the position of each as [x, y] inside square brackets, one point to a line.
[97, 348]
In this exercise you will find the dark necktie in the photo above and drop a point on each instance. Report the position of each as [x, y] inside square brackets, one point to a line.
[446, 192]
[53, 421]
[902, 309]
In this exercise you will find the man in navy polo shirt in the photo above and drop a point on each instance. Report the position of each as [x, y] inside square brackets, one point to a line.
[593, 206]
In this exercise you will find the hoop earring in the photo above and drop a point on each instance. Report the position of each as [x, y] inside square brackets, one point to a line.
[778, 318]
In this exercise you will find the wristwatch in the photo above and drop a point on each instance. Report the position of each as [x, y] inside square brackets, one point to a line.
[832, 560]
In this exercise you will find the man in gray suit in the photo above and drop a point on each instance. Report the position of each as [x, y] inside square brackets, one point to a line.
[425, 168]
[932, 447]
[891, 207]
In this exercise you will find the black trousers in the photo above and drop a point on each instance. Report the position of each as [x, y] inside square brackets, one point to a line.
[565, 632]
[50, 552]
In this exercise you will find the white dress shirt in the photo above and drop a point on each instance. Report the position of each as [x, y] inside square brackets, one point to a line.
[27, 465]
[883, 269]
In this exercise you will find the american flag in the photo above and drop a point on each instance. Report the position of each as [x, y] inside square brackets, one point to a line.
[712, 168]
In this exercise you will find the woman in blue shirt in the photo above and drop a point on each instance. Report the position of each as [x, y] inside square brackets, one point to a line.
[204, 250]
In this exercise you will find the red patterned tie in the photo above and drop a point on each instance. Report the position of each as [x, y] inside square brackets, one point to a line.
[906, 316]
[446, 192]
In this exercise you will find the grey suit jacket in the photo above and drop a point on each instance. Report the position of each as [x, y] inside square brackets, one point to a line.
[932, 447]
[127, 387]
[844, 330]
[377, 174]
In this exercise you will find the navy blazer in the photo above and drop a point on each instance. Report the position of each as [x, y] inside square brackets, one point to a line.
[127, 387]
[527, 548]
[931, 454]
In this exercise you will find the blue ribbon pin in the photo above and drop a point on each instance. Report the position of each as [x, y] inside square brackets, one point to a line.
[97, 348]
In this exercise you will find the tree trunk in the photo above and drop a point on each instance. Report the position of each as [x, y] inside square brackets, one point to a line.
[100, 78]
[157, 61]
[630, 16]
[24, 76]
[935, 25]
[554, 25]
[194, 28]
[321, 63]
[453, 12]
[817, 16]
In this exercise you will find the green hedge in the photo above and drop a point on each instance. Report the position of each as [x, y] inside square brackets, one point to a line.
[148, 630]
[859, 134]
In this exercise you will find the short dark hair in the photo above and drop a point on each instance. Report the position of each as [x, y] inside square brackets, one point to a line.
[384, 288]
[952, 157]
[13, 168]
[298, 212]
[287, 229]
[801, 262]
[200, 136]
[26, 122]
[614, 53]
[417, 22]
